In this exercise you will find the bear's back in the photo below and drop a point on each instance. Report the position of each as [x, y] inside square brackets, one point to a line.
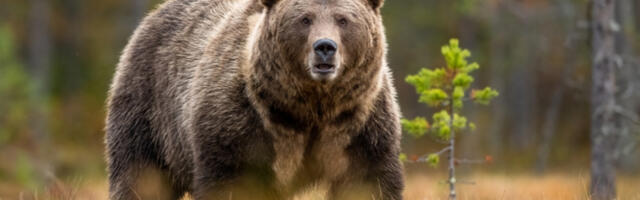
[161, 68]
[167, 52]
[171, 41]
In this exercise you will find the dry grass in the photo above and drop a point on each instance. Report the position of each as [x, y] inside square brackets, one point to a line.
[521, 187]
[418, 187]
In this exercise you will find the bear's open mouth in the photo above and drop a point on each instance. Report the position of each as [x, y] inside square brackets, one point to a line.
[324, 69]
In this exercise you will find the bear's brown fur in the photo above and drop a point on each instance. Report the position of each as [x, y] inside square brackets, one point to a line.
[219, 98]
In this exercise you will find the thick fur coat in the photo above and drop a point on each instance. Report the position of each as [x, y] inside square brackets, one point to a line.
[218, 98]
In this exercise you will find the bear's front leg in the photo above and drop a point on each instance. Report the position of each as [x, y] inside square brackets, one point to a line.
[222, 171]
[387, 177]
[373, 182]
[376, 170]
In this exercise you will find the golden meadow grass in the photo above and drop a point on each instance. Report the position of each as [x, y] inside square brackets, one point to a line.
[487, 186]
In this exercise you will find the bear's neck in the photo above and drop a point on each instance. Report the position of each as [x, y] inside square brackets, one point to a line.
[293, 105]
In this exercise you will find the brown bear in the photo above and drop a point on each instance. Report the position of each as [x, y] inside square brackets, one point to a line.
[255, 99]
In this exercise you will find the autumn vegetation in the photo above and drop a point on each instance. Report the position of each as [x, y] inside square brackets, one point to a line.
[57, 59]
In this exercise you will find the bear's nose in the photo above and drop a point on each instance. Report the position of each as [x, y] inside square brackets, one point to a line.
[325, 48]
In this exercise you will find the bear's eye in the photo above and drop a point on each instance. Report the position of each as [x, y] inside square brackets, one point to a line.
[343, 21]
[306, 21]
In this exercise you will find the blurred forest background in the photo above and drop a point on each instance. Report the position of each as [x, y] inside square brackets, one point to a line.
[57, 58]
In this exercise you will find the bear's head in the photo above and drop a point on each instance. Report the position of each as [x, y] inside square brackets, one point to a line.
[312, 60]
[321, 41]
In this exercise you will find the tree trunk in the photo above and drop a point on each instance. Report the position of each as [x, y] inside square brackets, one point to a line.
[604, 122]
[549, 128]
[497, 81]
[39, 62]
[550, 119]
[521, 94]
[39, 58]
[452, 155]
[629, 84]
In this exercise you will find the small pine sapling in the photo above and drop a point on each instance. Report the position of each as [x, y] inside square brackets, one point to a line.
[445, 88]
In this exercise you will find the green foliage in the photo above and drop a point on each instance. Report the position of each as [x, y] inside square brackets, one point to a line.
[433, 159]
[467, 6]
[484, 96]
[458, 95]
[416, 127]
[456, 58]
[462, 80]
[402, 157]
[427, 79]
[433, 97]
[15, 87]
[441, 125]
[25, 173]
[459, 122]
[472, 126]
[446, 86]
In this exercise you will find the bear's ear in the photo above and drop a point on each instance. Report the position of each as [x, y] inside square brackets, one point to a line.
[268, 3]
[375, 4]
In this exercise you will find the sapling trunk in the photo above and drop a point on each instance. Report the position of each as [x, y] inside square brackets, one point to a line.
[452, 158]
